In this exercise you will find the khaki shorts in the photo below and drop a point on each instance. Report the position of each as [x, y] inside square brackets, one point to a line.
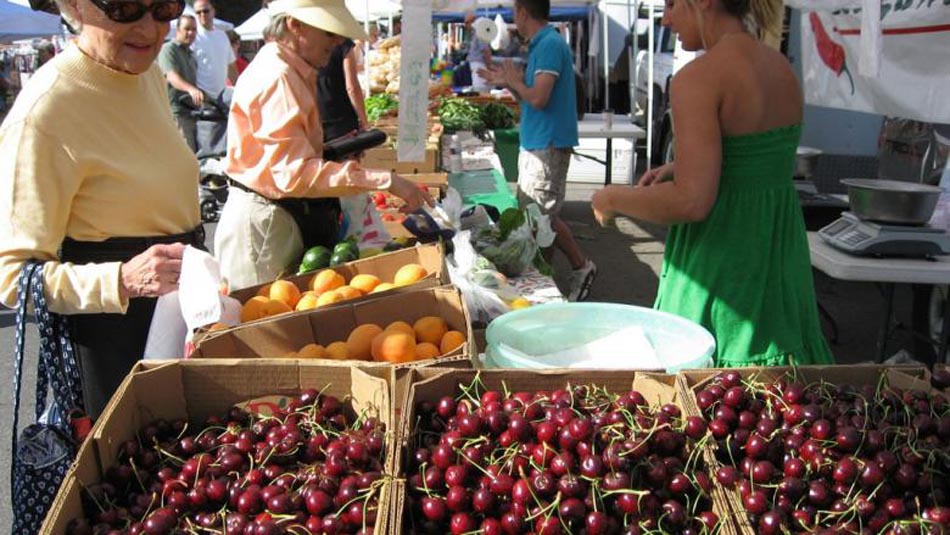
[255, 240]
[542, 178]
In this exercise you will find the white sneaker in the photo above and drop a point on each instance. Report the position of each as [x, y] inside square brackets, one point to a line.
[582, 279]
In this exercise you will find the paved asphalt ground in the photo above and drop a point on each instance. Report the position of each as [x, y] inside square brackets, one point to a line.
[629, 259]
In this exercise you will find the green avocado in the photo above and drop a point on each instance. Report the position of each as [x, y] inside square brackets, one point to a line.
[343, 257]
[315, 258]
[347, 247]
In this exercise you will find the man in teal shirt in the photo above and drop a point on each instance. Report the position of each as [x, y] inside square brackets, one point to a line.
[548, 127]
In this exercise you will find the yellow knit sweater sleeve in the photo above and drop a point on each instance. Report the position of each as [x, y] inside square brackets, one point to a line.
[34, 215]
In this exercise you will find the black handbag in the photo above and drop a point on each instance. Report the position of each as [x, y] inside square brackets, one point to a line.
[45, 449]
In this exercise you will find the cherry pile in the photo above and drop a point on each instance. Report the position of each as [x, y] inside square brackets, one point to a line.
[824, 458]
[307, 469]
[578, 460]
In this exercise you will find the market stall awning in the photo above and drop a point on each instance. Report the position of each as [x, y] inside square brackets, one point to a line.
[18, 22]
[558, 13]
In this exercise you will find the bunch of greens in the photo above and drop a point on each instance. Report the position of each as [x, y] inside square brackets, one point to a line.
[459, 114]
[510, 244]
[496, 116]
[379, 105]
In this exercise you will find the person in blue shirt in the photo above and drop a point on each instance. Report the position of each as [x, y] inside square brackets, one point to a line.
[548, 127]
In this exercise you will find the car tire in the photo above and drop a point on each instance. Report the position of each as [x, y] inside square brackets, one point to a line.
[666, 149]
[927, 317]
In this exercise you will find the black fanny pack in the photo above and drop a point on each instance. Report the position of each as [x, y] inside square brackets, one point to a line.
[317, 219]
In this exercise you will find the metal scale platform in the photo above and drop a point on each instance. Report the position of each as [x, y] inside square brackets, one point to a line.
[857, 236]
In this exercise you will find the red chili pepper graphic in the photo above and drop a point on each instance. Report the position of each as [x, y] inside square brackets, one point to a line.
[832, 54]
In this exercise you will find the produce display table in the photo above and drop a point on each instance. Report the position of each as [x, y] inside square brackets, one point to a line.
[593, 126]
[537, 288]
[888, 272]
[483, 187]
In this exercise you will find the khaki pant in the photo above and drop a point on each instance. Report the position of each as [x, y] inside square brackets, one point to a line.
[187, 126]
[542, 178]
[256, 241]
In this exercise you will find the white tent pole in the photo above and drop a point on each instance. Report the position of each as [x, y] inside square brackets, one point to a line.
[650, 95]
[605, 51]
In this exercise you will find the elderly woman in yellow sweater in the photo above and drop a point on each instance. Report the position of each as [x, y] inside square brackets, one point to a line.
[96, 181]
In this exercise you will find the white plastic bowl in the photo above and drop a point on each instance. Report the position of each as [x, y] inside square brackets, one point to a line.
[545, 336]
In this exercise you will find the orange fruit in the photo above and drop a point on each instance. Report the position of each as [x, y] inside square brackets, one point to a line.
[409, 274]
[401, 326]
[365, 282]
[348, 292]
[218, 326]
[285, 291]
[450, 341]
[312, 351]
[394, 347]
[254, 309]
[307, 301]
[275, 307]
[326, 280]
[360, 341]
[338, 351]
[430, 329]
[382, 287]
[328, 298]
[425, 350]
[264, 291]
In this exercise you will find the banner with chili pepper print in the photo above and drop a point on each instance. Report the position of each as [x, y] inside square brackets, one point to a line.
[913, 81]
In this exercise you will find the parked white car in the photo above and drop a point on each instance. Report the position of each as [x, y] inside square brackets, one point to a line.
[668, 58]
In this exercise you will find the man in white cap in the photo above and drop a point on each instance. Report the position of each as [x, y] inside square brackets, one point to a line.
[283, 198]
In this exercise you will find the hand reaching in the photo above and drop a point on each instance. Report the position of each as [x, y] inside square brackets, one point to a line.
[409, 192]
[152, 273]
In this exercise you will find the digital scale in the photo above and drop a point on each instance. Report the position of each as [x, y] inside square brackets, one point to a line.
[857, 236]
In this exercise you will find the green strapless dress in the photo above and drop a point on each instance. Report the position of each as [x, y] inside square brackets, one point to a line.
[744, 272]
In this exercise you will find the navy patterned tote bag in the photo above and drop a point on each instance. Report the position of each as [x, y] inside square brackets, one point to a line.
[46, 448]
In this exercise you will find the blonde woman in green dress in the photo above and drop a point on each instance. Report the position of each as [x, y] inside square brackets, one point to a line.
[737, 259]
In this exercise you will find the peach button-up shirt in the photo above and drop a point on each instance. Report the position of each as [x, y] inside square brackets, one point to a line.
[275, 135]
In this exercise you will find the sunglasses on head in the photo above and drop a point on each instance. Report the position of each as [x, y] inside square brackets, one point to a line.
[127, 12]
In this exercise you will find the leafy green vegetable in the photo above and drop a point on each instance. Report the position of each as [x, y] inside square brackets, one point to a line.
[509, 220]
[379, 105]
[459, 114]
[496, 116]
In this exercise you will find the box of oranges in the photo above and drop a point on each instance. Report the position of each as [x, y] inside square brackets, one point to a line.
[410, 328]
[414, 267]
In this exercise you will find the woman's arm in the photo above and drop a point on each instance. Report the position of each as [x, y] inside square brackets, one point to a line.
[691, 195]
[353, 89]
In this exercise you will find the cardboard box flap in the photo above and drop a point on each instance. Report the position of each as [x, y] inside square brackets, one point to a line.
[146, 396]
[370, 392]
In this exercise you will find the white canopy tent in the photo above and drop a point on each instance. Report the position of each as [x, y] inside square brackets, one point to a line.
[18, 22]
[363, 10]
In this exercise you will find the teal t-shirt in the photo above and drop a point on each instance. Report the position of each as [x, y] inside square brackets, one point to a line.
[555, 126]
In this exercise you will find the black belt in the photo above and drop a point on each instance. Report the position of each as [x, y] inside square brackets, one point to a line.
[123, 249]
[317, 219]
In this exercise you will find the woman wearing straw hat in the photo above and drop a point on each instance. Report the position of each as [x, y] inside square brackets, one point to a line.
[284, 194]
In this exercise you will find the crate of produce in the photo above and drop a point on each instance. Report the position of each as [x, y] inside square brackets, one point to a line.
[179, 449]
[559, 451]
[385, 158]
[407, 269]
[421, 327]
[827, 449]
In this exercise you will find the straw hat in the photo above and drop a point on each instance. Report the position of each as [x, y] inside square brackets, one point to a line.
[328, 15]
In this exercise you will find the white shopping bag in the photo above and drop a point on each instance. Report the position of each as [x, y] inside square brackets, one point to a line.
[197, 303]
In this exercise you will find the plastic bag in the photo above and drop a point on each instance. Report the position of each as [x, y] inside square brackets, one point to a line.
[514, 244]
[486, 291]
[362, 221]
